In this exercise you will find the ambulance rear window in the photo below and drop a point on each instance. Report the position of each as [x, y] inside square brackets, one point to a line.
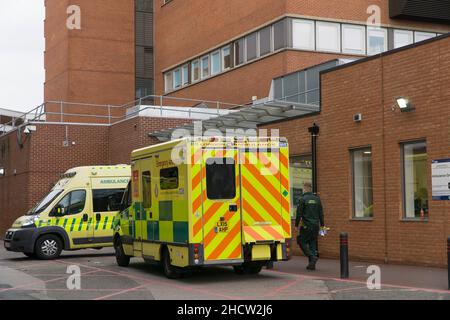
[169, 178]
[220, 178]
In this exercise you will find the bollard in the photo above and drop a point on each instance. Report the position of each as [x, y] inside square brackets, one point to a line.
[448, 261]
[344, 255]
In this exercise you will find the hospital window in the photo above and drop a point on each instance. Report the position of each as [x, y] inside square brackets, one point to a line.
[415, 180]
[169, 178]
[146, 189]
[362, 183]
[376, 40]
[226, 58]
[107, 200]
[72, 203]
[300, 171]
[195, 70]
[220, 178]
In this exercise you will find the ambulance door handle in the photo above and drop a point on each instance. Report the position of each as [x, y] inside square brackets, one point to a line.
[85, 217]
[98, 216]
[151, 215]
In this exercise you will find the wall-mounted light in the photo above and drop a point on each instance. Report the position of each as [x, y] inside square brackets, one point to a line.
[403, 104]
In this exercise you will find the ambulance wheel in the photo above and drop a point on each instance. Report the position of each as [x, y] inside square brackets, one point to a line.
[48, 247]
[248, 268]
[169, 270]
[122, 259]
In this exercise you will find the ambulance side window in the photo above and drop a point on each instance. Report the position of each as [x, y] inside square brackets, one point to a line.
[72, 203]
[169, 178]
[220, 178]
[107, 200]
[146, 189]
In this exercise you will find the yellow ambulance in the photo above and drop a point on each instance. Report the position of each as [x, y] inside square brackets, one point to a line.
[207, 201]
[77, 213]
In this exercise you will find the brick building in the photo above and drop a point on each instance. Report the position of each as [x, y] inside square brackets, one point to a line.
[239, 53]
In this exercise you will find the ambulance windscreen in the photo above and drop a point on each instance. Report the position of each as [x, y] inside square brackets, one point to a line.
[220, 178]
[43, 204]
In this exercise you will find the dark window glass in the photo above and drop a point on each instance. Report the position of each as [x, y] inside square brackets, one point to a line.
[252, 46]
[278, 88]
[220, 178]
[144, 5]
[107, 200]
[72, 203]
[146, 189]
[291, 87]
[239, 51]
[279, 35]
[169, 178]
[264, 41]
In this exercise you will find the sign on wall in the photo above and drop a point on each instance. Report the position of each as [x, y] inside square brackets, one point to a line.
[441, 179]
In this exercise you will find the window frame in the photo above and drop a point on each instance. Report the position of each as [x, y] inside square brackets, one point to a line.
[352, 162]
[219, 54]
[339, 35]
[193, 63]
[312, 46]
[185, 71]
[256, 46]
[202, 75]
[403, 181]
[410, 33]
[385, 43]
[177, 70]
[269, 27]
[362, 29]
[223, 57]
[167, 86]
[422, 33]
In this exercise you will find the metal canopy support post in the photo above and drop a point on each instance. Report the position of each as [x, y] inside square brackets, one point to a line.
[314, 131]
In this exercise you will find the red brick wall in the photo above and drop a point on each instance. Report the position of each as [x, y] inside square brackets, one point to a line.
[422, 74]
[126, 136]
[95, 64]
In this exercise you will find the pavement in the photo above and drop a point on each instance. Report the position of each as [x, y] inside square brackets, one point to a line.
[22, 278]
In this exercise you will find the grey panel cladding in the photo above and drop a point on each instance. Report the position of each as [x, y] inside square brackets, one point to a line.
[144, 48]
[425, 10]
[144, 62]
[144, 29]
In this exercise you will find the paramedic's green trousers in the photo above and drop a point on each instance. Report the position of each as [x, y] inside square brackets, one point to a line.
[307, 240]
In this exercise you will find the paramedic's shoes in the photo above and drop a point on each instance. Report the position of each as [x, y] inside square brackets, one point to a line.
[312, 263]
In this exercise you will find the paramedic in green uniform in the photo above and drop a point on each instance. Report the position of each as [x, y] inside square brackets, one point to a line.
[310, 219]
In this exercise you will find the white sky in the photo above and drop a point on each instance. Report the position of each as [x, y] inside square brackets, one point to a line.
[21, 54]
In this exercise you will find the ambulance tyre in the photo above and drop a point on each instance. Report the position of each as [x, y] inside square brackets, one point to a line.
[122, 259]
[170, 271]
[248, 268]
[48, 247]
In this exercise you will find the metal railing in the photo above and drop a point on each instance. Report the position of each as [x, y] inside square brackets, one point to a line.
[87, 113]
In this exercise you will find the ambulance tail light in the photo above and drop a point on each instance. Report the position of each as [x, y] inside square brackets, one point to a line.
[196, 250]
[288, 248]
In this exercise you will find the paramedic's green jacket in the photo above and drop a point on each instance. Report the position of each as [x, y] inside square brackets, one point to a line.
[310, 211]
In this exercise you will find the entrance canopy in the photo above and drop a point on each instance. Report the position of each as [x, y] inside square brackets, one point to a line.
[245, 118]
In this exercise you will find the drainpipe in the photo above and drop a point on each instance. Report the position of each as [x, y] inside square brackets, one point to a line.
[314, 131]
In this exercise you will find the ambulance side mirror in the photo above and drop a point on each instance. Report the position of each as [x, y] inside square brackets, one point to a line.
[59, 210]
